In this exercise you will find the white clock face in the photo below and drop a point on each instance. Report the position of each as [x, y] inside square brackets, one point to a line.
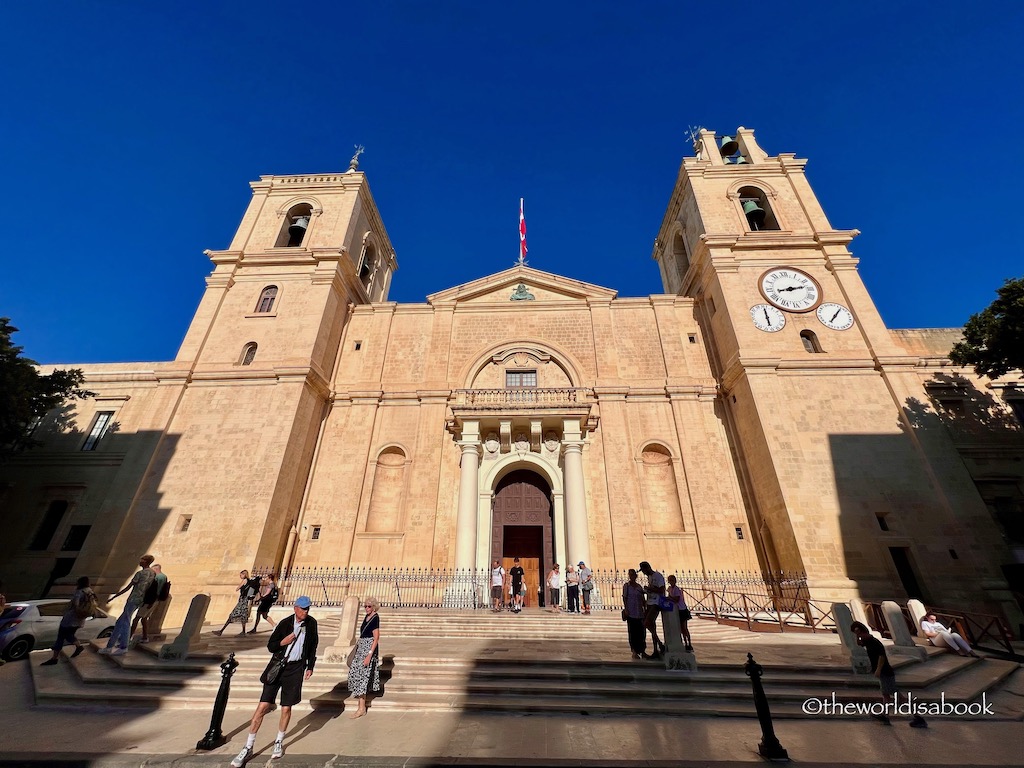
[767, 318]
[790, 289]
[835, 316]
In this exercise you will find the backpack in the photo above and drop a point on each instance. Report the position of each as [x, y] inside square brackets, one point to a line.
[85, 606]
[165, 591]
[150, 596]
[272, 596]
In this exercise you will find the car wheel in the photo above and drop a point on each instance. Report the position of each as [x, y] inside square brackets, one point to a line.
[19, 648]
[106, 633]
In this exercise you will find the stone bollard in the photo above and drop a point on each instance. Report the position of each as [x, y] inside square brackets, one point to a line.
[215, 736]
[346, 640]
[858, 656]
[903, 643]
[189, 637]
[769, 748]
[676, 655]
[917, 612]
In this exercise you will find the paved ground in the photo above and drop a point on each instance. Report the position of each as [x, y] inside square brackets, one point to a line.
[34, 735]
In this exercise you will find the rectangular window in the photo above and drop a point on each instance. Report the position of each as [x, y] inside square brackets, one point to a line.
[739, 533]
[99, 427]
[520, 379]
[951, 406]
[184, 523]
[48, 526]
[692, 337]
[75, 538]
[882, 523]
[315, 535]
[1017, 406]
[358, 346]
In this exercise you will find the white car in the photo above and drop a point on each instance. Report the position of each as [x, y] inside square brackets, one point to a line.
[33, 624]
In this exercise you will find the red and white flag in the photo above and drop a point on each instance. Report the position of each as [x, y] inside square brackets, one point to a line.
[522, 233]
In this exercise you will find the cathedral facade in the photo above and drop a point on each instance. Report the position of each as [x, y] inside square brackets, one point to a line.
[755, 416]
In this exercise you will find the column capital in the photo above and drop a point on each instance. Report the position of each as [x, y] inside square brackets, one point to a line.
[470, 446]
[572, 446]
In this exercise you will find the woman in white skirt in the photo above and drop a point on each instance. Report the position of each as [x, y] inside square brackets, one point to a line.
[364, 671]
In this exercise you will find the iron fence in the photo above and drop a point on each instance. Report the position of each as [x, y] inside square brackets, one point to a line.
[714, 594]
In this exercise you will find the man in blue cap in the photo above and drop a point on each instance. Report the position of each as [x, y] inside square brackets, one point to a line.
[294, 642]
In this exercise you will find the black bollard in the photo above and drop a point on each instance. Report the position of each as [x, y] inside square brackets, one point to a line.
[769, 748]
[215, 737]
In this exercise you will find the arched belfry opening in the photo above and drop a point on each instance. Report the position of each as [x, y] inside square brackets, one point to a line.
[522, 525]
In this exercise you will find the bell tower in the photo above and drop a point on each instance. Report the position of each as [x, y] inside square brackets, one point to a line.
[254, 377]
[813, 387]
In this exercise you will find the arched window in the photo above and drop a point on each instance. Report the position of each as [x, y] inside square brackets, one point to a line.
[249, 353]
[388, 490]
[293, 230]
[368, 265]
[810, 341]
[756, 209]
[664, 512]
[267, 298]
[680, 254]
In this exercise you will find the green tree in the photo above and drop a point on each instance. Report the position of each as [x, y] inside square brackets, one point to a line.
[994, 338]
[26, 395]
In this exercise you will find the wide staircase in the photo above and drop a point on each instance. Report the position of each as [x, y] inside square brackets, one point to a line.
[436, 660]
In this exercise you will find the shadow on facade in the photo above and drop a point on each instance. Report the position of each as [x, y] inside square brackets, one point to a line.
[913, 515]
[67, 511]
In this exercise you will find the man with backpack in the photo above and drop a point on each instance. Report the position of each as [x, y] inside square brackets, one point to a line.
[81, 607]
[157, 592]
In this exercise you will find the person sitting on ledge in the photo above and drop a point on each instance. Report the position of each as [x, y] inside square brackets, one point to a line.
[940, 636]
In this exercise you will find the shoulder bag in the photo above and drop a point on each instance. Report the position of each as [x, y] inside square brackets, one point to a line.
[277, 664]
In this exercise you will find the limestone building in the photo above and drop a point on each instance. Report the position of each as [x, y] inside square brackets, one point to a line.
[756, 415]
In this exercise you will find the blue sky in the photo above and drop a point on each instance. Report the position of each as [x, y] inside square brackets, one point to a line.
[129, 123]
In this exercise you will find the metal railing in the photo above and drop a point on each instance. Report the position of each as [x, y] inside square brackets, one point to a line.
[741, 598]
[453, 588]
[976, 628]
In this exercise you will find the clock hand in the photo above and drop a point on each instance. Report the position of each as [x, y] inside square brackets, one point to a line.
[794, 288]
[766, 318]
[835, 316]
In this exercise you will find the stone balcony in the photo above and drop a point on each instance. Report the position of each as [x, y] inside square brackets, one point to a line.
[542, 403]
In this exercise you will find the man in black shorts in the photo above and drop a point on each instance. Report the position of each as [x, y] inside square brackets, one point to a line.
[517, 585]
[295, 639]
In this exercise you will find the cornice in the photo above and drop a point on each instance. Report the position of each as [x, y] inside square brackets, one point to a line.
[40, 457]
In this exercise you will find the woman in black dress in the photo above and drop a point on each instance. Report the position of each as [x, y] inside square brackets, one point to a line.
[364, 671]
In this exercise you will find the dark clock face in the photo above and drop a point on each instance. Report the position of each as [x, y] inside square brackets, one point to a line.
[790, 289]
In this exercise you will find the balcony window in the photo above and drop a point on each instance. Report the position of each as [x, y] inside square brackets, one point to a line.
[520, 379]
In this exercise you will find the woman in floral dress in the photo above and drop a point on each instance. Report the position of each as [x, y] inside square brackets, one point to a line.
[364, 671]
[247, 590]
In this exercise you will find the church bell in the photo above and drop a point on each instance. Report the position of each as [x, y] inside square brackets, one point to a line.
[728, 146]
[298, 228]
[755, 213]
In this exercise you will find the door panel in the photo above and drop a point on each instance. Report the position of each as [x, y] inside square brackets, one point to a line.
[531, 576]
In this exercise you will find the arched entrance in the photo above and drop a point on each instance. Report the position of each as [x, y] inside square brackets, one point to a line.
[522, 527]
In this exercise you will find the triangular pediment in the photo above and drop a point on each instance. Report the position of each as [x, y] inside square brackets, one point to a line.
[521, 284]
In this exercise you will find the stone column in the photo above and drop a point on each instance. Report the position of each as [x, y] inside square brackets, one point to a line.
[465, 527]
[578, 544]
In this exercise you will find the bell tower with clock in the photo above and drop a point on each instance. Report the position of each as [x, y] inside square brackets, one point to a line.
[813, 388]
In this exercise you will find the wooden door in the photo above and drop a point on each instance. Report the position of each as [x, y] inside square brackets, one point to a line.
[531, 575]
[522, 527]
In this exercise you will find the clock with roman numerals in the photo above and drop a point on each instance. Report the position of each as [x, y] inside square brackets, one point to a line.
[790, 289]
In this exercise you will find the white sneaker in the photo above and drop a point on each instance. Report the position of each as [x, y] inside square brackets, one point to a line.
[106, 651]
[118, 651]
[278, 751]
[243, 757]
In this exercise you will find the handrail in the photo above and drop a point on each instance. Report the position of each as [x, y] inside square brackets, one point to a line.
[975, 627]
